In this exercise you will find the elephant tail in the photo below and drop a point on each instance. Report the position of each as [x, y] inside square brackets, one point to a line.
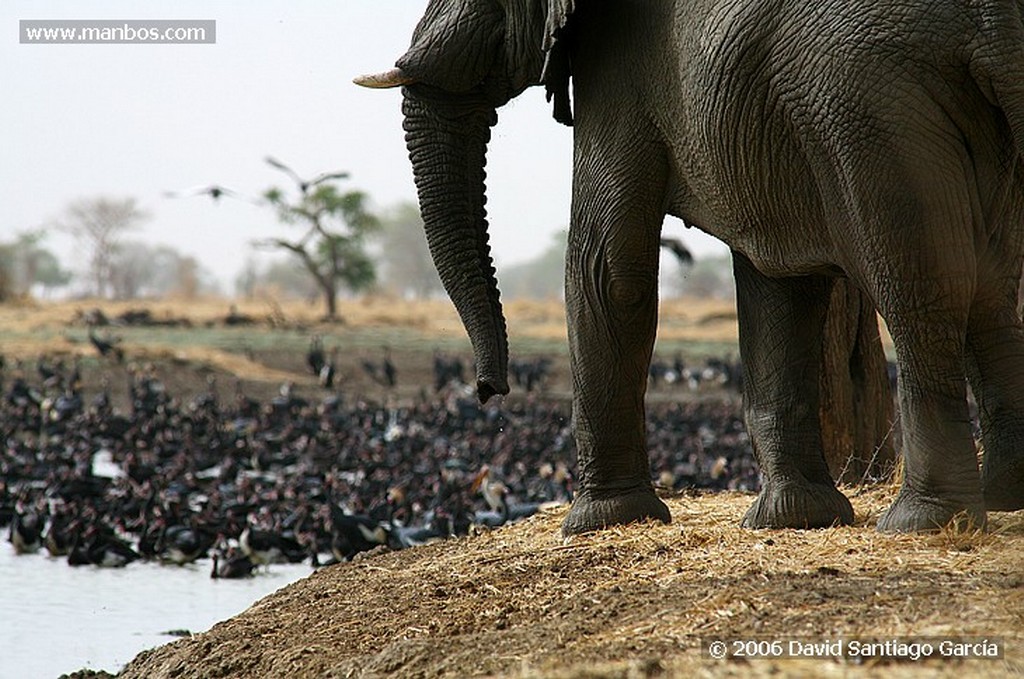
[997, 61]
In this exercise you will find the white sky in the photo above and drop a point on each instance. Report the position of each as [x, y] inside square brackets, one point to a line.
[80, 121]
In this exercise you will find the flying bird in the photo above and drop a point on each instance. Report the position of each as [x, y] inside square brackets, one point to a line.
[303, 184]
[214, 191]
[677, 248]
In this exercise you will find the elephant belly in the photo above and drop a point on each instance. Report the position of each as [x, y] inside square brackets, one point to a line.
[778, 221]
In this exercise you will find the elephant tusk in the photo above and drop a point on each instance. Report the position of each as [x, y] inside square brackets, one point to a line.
[393, 78]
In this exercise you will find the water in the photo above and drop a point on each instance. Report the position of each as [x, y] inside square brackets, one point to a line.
[56, 619]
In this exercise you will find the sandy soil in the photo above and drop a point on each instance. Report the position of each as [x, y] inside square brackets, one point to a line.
[637, 601]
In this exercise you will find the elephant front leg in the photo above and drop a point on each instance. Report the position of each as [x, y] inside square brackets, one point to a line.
[781, 325]
[611, 303]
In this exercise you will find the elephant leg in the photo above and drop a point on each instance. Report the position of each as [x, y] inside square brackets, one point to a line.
[995, 343]
[781, 323]
[940, 465]
[611, 296]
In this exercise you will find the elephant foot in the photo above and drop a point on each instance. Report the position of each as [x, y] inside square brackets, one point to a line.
[916, 513]
[799, 505]
[592, 511]
[1003, 484]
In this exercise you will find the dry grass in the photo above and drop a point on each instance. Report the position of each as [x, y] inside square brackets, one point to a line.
[412, 329]
[681, 319]
[630, 601]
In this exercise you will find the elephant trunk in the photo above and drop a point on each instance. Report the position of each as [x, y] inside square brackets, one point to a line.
[448, 147]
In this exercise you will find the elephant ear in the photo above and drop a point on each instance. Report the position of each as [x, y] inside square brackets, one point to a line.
[455, 45]
[557, 68]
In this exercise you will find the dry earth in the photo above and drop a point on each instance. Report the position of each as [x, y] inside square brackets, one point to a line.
[629, 602]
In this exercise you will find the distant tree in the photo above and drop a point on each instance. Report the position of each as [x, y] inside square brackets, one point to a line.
[336, 226]
[540, 278]
[247, 279]
[139, 270]
[287, 277]
[101, 223]
[25, 263]
[708, 278]
[407, 269]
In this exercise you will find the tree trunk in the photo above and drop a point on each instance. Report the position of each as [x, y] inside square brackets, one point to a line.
[331, 300]
[857, 412]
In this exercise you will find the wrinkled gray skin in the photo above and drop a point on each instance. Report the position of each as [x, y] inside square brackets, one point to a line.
[877, 140]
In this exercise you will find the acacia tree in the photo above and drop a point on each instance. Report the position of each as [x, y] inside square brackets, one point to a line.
[336, 224]
[101, 223]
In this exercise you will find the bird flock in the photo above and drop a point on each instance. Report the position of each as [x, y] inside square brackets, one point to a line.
[246, 483]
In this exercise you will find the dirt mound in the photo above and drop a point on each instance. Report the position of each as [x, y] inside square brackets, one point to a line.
[633, 601]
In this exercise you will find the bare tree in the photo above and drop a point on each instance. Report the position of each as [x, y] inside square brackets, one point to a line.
[100, 223]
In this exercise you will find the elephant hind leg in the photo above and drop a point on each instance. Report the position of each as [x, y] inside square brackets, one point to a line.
[941, 483]
[781, 327]
[995, 342]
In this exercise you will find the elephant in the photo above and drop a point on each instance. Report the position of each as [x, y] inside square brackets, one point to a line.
[875, 141]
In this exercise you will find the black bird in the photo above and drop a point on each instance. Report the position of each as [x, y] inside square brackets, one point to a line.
[26, 531]
[530, 374]
[97, 545]
[50, 372]
[354, 533]
[383, 373]
[21, 394]
[214, 191]
[315, 357]
[676, 247]
[233, 567]
[265, 547]
[447, 370]
[107, 346]
[60, 533]
[327, 372]
[181, 544]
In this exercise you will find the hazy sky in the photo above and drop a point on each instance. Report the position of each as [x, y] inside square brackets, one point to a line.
[81, 121]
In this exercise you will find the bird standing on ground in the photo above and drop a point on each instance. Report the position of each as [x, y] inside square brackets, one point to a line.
[383, 373]
[26, 531]
[315, 357]
[107, 346]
